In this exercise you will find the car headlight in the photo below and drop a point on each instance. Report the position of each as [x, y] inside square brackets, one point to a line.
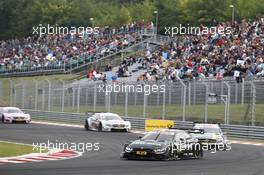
[220, 139]
[128, 149]
[160, 150]
[108, 125]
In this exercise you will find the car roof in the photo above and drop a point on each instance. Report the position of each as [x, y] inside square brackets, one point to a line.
[8, 108]
[107, 114]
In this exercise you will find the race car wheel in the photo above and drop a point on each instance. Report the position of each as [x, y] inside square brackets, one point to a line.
[198, 154]
[86, 126]
[3, 119]
[100, 127]
[176, 155]
[125, 146]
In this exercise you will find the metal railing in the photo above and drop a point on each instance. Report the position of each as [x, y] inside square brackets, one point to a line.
[239, 131]
[223, 102]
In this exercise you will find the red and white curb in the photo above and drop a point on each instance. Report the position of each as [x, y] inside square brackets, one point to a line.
[141, 132]
[39, 157]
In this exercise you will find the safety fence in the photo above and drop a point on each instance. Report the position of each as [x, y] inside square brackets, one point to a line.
[240, 131]
[225, 102]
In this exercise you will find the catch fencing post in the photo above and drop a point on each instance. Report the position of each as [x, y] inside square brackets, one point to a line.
[222, 89]
[49, 94]
[236, 93]
[108, 102]
[23, 95]
[86, 95]
[163, 103]
[189, 95]
[243, 92]
[73, 98]
[11, 88]
[135, 98]
[43, 98]
[36, 93]
[145, 104]
[228, 102]
[15, 97]
[95, 97]
[194, 92]
[63, 95]
[126, 103]
[183, 100]
[158, 97]
[206, 102]
[253, 103]
[170, 84]
[78, 97]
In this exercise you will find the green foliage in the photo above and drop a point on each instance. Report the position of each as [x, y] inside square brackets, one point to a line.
[18, 17]
[142, 11]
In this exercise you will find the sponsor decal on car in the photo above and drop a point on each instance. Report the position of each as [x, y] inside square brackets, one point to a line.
[154, 124]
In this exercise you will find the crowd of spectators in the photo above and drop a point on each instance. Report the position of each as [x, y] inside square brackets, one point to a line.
[213, 56]
[122, 71]
[238, 54]
[57, 50]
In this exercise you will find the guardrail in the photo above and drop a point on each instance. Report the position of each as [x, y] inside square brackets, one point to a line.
[75, 118]
[240, 131]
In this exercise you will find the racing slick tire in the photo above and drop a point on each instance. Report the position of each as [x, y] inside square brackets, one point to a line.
[86, 126]
[198, 154]
[3, 119]
[100, 127]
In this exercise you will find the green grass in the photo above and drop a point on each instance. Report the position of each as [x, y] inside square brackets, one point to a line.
[12, 149]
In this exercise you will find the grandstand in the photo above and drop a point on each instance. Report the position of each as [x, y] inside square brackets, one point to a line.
[238, 55]
[53, 54]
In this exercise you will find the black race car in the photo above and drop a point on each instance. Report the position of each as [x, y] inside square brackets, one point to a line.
[167, 144]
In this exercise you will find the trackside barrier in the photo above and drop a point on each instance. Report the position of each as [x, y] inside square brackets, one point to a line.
[75, 118]
[240, 131]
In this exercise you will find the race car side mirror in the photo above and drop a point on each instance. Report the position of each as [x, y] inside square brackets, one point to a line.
[182, 139]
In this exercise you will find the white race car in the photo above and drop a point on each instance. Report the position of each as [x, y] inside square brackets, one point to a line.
[13, 114]
[212, 135]
[106, 122]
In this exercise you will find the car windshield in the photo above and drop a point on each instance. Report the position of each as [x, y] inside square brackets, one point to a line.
[209, 129]
[159, 136]
[14, 110]
[111, 117]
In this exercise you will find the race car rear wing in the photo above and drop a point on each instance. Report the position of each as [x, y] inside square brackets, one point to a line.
[219, 124]
[190, 130]
[89, 113]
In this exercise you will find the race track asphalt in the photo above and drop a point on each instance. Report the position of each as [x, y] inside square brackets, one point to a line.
[241, 160]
